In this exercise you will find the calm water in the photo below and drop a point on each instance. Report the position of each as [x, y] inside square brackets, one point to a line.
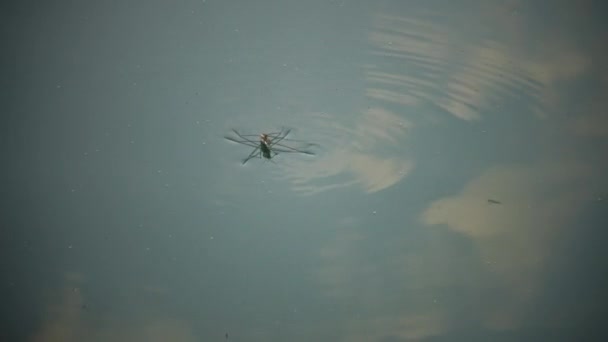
[458, 191]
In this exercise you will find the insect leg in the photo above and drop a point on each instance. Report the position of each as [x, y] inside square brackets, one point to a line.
[256, 151]
[243, 142]
[244, 137]
[279, 138]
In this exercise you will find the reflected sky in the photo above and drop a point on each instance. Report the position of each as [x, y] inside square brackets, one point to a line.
[457, 192]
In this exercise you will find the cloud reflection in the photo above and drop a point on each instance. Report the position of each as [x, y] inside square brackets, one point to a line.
[366, 152]
[467, 74]
[70, 320]
[516, 238]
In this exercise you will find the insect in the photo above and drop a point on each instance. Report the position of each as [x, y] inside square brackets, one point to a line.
[268, 145]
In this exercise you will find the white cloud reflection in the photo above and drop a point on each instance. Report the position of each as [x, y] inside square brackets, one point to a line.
[383, 311]
[366, 153]
[68, 319]
[470, 74]
[466, 73]
[515, 238]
